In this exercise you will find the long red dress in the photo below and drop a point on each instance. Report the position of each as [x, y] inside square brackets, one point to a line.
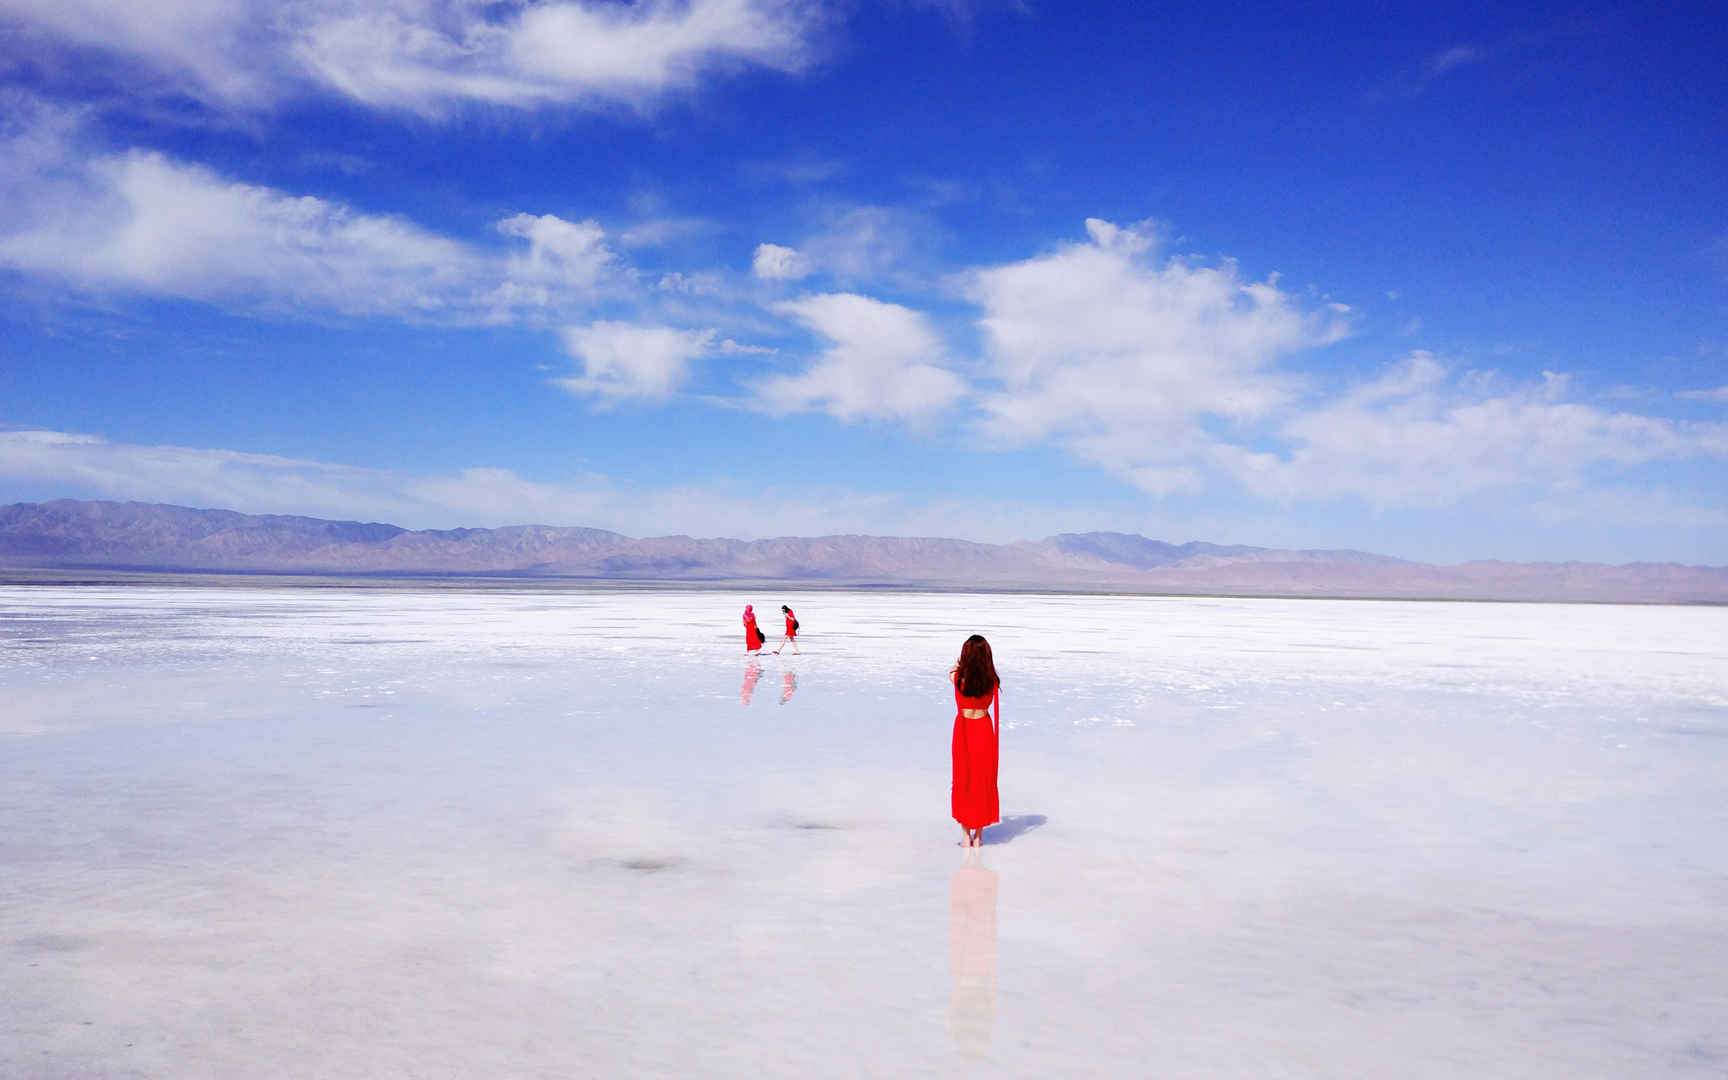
[977, 741]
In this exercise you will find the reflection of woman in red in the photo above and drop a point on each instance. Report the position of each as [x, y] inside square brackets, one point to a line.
[752, 672]
[753, 638]
[977, 739]
[972, 954]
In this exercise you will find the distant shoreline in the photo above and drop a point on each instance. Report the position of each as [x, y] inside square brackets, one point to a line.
[62, 577]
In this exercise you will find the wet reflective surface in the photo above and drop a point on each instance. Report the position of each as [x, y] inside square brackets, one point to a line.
[553, 833]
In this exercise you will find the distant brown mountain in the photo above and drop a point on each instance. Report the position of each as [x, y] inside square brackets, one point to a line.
[72, 534]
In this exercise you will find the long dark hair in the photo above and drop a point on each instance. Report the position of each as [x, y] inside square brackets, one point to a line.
[975, 672]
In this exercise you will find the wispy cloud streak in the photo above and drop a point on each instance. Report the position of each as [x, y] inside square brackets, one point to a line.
[428, 56]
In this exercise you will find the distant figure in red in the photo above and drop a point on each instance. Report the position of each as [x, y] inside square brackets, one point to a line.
[753, 638]
[977, 739]
[791, 631]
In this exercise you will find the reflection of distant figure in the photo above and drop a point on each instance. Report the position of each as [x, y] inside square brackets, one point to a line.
[753, 638]
[972, 953]
[977, 739]
[791, 631]
[788, 683]
[752, 672]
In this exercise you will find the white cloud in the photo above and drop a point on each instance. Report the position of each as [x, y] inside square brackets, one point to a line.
[883, 363]
[561, 256]
[1419, 435]
[732, 348]
[143, 222]
[773, 262]
[1718, 395]
[1168, 374]
[620, 360]
[1122, 358]
[1109, 236]
[698, 284]
[425, 55]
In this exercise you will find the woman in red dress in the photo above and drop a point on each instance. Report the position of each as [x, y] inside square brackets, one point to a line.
[977, 740]
[791, 631]
[753, 638]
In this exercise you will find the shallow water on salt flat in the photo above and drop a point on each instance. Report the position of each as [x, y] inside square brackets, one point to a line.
[355, 832]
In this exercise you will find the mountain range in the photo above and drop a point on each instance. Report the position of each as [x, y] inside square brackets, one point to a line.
[83, 535]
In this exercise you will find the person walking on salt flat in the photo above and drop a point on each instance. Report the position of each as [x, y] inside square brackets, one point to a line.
[791, 637]
[754, 639]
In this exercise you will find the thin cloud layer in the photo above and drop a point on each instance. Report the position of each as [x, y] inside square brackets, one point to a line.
[214, 50]
[92, 467]
[428, 55]
[1421, 435]
[850, 243]
[1651, 507]
[862, 243]
[221, 479]
[485, 496]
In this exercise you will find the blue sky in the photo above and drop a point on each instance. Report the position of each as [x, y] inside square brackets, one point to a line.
[1440, 281]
